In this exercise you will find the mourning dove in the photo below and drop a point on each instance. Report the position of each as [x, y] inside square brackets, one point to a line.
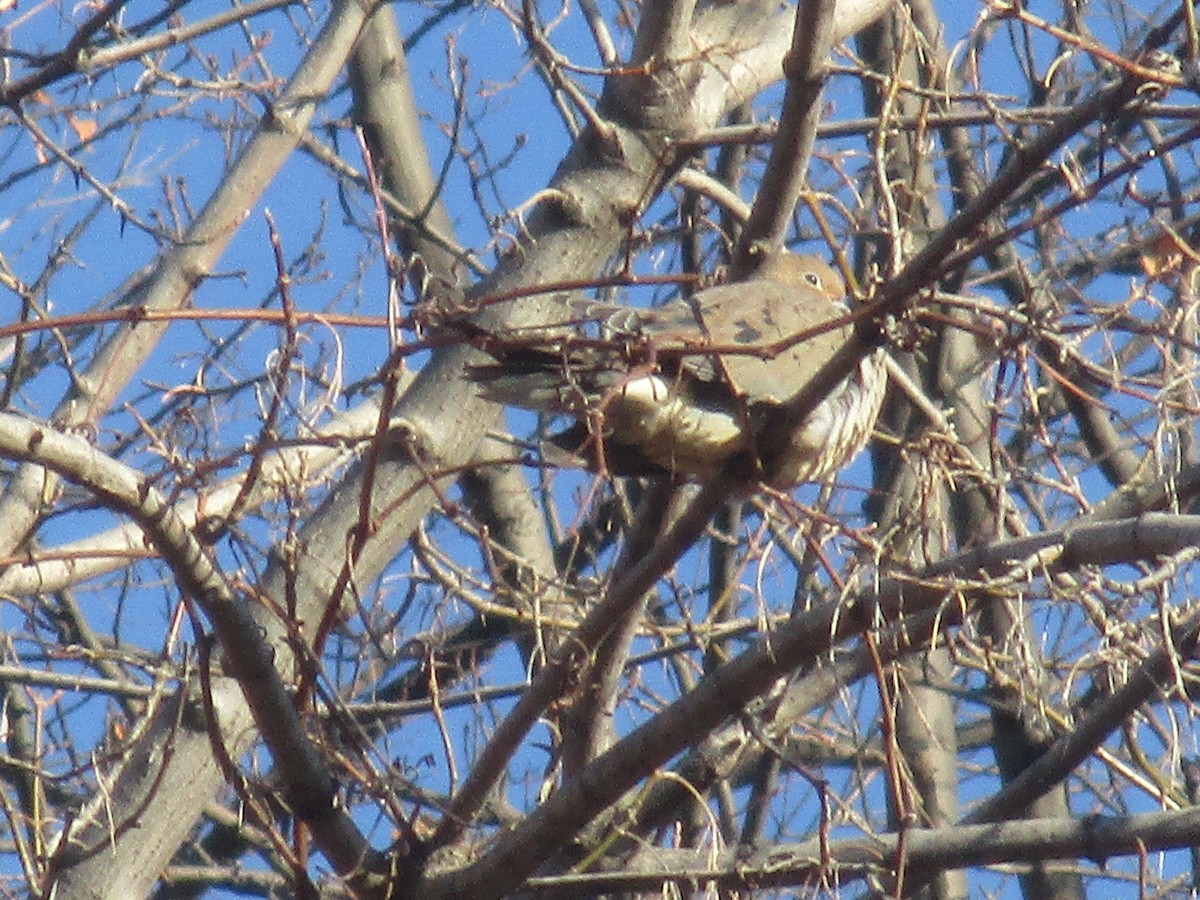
[649, 396]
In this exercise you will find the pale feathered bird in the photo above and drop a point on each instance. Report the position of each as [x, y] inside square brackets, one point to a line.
[648, 396]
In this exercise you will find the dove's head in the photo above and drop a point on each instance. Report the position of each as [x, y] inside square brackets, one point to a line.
[804, 270]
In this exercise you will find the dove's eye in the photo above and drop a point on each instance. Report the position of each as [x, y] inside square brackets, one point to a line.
[814, 279]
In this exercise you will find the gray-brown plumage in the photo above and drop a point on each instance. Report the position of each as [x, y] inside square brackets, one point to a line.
[649, 396]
